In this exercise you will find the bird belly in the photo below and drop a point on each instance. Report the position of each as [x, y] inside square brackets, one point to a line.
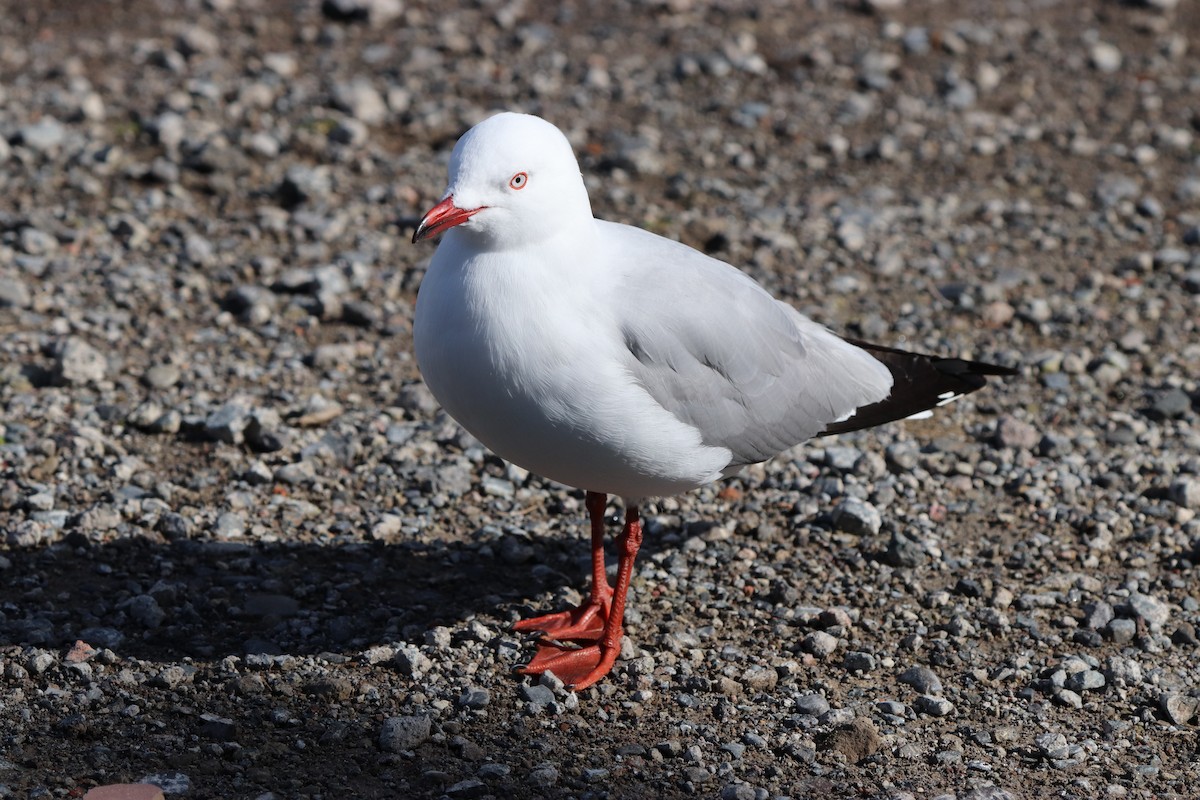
[548, 399]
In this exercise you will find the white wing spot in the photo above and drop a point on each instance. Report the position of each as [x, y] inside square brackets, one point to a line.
[926, 414]
[947, 400]
[950, 395]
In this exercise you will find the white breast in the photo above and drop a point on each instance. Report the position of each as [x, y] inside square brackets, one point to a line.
[520, 353]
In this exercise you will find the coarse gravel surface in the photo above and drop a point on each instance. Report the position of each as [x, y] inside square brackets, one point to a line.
[244, 554]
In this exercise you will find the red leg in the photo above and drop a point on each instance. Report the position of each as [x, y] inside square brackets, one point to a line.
[580, 668]
[586, 622]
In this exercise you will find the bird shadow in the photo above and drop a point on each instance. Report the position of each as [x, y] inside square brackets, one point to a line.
[161, 600]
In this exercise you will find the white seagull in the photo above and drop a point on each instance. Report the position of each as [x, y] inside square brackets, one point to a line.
[611, 359]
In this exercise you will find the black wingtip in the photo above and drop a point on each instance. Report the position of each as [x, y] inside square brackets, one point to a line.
[919, 383]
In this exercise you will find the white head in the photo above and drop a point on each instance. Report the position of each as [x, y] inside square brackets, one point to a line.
[514, 180]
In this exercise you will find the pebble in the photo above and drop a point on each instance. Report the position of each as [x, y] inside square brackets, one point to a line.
[1178, 708]
[922, 679]
[812, 704]
[857, 517]
[1185, 492]
[78, 363]
[398, 734]
[1151, 609]
[1105, 57]
[820, 644]
[933, 706]
[44, 136]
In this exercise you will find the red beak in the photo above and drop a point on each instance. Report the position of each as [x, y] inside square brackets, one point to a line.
[443, 216]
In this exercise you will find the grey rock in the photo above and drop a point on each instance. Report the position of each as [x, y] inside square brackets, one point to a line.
[819, 643]
[44, 136]
[857, 661]
[1149, 608]
[77, 363]
[230, 525]
[1097, 615]
[1052, 745]
[857, 517]
[1171, 404]
[14, 293]
[1012, 432]
[145, 611]
[399, 734]
[1178, 708]
[1087, 680]
[228, 423]
[1185, 492]
[36, 242]
[812, 704]
[1122, 631]
[933, 706]
[922, 679]
[543, 777]
[474, 697]
[1105, 57]
[361, 100]
[537, 695]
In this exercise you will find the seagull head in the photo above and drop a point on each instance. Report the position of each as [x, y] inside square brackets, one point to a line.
[514, 181]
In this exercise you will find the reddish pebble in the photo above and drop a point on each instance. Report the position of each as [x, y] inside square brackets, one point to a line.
[80, 652]
[125, 791]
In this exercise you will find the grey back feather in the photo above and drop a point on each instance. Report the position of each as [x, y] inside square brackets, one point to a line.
[752, 374]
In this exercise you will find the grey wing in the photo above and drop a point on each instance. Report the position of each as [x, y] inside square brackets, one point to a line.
[752, 374]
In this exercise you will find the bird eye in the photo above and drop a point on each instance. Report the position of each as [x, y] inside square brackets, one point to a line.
[518, 181]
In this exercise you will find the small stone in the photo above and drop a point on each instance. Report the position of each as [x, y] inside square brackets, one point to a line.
[857, 517]
[145, 611]
[856, 661]
[1097, 615]
[543, 777]
[1151, 609]
[819, 643]
[411, 662]
[217, 728]
[360, 99]
[230, 525]
[759, 678]
[1179, 708]
[933, 706]
[1171, 404]
[1122, 631]
[474, 697]
[812, 704]
[1086, 680]
[43, 136]
[79, 363]
[537, 695]
[1012, 432]
[228, 423]
[923, 679]
[36, 242]
[404, 733]
[1185, 492]
[1052, 745]
[1105, 57]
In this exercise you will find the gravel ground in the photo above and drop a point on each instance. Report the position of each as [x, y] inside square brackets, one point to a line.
[243, 553]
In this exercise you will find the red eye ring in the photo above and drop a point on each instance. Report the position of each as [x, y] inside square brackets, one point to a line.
[519, 181]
